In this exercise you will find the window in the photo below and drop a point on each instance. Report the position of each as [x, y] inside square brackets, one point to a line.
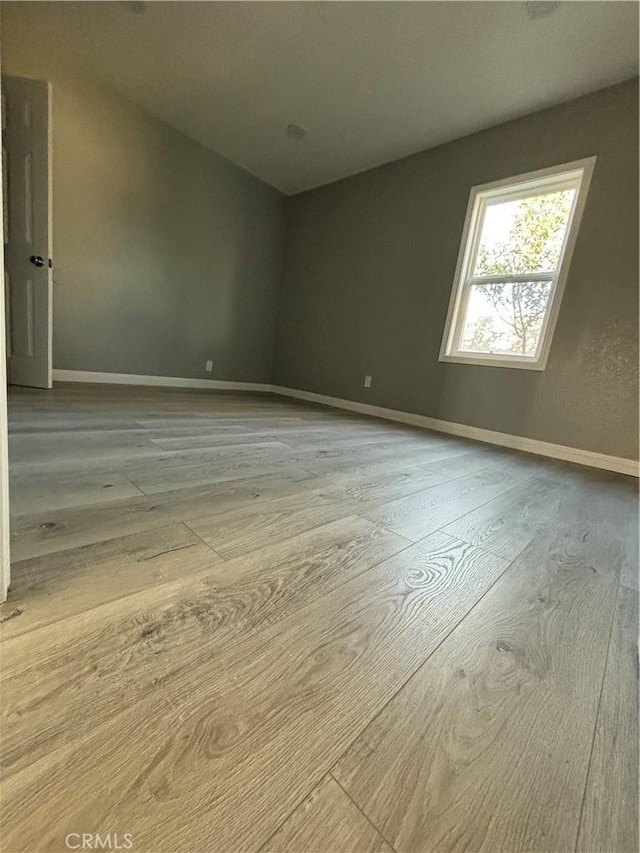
[516, 248]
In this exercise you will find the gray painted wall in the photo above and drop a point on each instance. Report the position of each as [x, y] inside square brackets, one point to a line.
[369, 266]
[165, 254]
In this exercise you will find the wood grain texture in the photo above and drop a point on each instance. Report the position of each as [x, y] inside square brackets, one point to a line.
[234, 437]
[249, 528]
[327, 814]
[23, 449]
[216, 732]
[499, 721]
[630, 574]
[382, 485]
[190, 663]
[469, 462]
[39, 492]
[610, 813]
[327, 462]
[131, 647]
[152, 480]
[506, 524]
[55, 586]
[418, 515]
[33, 535]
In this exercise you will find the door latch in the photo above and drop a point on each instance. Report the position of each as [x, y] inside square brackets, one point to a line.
[38, 261]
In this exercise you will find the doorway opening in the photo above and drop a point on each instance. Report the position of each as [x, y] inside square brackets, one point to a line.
[26, 271]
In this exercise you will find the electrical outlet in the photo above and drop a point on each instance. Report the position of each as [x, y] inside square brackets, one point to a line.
[209, 366]
[367, 382]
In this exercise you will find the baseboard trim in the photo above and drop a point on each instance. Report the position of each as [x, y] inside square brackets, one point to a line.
[516, 442]
[616, 464]
[158, 381]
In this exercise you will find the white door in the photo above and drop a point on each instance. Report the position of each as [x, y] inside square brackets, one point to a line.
[4, 463]
[26, 163]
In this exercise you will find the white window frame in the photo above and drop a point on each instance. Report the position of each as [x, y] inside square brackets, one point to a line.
[575, 175]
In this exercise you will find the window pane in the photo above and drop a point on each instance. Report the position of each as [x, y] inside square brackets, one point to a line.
[505, 318]
[525, 235]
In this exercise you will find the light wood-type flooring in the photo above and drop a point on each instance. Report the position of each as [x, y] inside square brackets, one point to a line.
[243, 623]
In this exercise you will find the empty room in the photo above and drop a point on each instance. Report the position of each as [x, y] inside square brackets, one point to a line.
[319, 427]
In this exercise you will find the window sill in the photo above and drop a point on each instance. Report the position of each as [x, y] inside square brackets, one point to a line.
[488, 361]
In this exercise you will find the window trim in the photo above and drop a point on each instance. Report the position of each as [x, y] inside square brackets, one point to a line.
[576, 174]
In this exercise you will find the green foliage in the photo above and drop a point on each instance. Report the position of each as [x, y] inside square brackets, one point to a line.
[481, 336]
[535, 239]
[521, 306]
[533, 245]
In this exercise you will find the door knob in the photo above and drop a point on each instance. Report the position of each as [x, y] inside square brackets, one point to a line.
[37, 260]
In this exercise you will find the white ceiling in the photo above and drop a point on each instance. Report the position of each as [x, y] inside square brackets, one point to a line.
[370, 81]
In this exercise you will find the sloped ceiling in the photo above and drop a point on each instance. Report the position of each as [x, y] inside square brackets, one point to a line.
[370, 81]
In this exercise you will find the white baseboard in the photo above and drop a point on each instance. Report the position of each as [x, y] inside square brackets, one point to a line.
[515, 442]
[160, 381]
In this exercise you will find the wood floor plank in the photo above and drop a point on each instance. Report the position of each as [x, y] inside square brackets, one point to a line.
[358, 494]
[630, 574]
[506, 524]
[316, 440]
[267, 716]
[218, 440]
[55, 586]
[35, 535]
[154, 478]
[23, 449]
[327, 817]
[363, 469]
[87, 459]
[149, 686]
[131, 646]
[249, 528]
[610, 813]
[328, 462]
[328, 439]
[471, 461]
[187, 421]
[39, 492]
[490, 741]
[419, 515]
[413, 477]
[29, 424]
[187, 427]
[269, 452]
